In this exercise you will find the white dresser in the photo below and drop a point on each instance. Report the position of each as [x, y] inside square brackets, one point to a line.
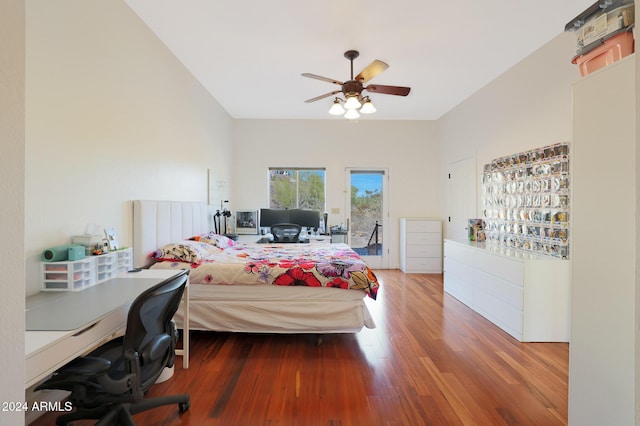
[420, 245]
[526, 295]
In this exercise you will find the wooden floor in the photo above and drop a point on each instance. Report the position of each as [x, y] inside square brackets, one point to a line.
[430, 361]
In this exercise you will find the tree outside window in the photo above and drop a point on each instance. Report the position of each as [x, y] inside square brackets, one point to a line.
[291, 188]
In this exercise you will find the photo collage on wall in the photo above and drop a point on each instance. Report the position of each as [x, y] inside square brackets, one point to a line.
[525, 201]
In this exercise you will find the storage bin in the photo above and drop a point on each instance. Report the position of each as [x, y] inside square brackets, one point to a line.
[106, 266]
[125, 259]
[611, 50]
[67, 276]
[605, 24]
[80, 274]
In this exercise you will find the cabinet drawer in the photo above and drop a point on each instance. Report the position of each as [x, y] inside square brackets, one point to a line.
[459, 288]
[423, 264]
[459, 270]
[506, 291]
[38, 364]
[424, 238]
[502, 267]
[500, 313]
[424, 226]
[424, 251]
[460, 253]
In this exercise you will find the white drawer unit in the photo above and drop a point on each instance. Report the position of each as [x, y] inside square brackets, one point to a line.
[124, 259]
[420, 245]
[526, 295]
[79, 274]
[106, 266]
[73, 275]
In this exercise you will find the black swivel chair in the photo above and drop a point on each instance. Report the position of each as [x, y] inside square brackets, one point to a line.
[109, 384]
[286, 232]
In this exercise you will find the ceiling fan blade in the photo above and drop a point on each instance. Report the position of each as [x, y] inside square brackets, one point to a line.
[374, 68]
[326, 95]
[318, 77]
[388, 90]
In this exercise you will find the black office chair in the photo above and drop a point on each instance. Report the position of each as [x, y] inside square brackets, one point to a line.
[286, 232]
[109, 384]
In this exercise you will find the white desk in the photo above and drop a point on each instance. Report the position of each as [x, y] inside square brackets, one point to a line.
[49, 349]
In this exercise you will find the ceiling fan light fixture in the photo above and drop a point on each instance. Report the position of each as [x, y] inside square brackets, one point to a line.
[336, 108]
[352, 103]
[351, 114]
[367, 106]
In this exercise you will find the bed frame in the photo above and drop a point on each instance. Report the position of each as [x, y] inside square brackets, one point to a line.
[263, 309]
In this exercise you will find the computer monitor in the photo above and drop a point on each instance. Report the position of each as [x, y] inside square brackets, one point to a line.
[270, 217]
[305, 218]
[302, 217]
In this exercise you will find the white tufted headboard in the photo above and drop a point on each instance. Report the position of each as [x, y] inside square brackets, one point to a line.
[156, 223]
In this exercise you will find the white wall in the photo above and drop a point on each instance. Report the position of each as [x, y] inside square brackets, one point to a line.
[407, 148]
[12, 39]
[111, 116]
[602, 361]
[529, 106]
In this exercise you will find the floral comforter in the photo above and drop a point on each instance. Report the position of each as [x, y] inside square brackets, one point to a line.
[314, 265]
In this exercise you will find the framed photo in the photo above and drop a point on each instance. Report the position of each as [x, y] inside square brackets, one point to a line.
[247, 222]
[112, 239]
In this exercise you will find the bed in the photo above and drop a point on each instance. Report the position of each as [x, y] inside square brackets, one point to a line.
[258, 288]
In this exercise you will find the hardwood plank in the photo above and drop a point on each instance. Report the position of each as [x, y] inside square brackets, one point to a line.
[430, 361]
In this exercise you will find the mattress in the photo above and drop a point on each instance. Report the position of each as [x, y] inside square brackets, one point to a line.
[275, 309]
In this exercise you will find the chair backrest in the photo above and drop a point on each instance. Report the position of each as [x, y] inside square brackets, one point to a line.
[149, 322]
[286, 232]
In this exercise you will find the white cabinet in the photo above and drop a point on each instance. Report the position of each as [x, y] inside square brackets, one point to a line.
[526, 295]
[420, 245]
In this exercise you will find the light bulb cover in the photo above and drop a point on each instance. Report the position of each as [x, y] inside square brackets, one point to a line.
[351, 114]
[352, 103]
[336, 108]
[367, 107]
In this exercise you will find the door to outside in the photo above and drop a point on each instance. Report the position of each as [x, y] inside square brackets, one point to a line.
[367, 215]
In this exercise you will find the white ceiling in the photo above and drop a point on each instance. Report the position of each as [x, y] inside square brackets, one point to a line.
[250, 54]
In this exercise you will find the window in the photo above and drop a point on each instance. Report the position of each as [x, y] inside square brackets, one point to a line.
[292, 188]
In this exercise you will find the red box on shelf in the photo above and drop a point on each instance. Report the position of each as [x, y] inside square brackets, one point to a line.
[611, 50]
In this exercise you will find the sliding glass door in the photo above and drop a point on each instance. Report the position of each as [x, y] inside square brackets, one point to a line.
[367, 214]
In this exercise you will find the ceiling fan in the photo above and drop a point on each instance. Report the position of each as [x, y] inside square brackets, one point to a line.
[352, 89]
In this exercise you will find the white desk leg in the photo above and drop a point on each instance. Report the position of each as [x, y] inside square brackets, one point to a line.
[185, 330]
